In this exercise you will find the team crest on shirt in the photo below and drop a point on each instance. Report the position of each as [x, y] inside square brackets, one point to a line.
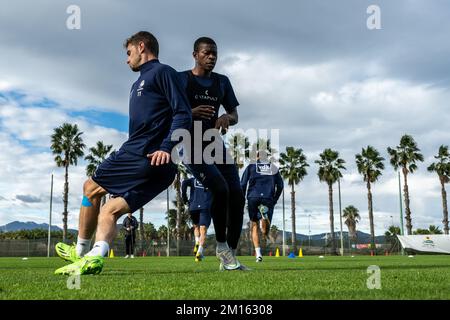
[264, 168]
[198, 184]
[141, 87]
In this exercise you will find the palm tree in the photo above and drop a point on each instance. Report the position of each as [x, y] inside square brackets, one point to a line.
[239, 146]
[181, 172]
[141, 227]
[262, 145]
[95, 157]
[431, 230]
[329, 171]
[370, 164]
[442, 168]
[68, 146]
[352, 217]
[405, 156]
[162, 233]
[273, 233]
[391, 236]
[434, 230]
[293, 168]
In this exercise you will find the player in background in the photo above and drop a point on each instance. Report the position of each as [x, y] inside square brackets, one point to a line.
[265, 186]
[199, 202]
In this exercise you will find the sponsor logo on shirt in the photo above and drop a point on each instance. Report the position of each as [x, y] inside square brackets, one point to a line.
[205, 96]
[264, 168]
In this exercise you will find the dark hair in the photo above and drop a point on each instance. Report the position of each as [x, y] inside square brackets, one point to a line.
[204, 40]
[149, 40]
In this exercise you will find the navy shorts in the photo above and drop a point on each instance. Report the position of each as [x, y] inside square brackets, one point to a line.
[253, 211]
[201, 217]
[132, 177]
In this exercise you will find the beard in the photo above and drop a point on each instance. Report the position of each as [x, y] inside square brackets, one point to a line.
[136, 65]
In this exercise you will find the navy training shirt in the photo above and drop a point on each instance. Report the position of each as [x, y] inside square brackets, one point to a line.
[264, 181]
[229, 100]
[158, 106]
[200, 198]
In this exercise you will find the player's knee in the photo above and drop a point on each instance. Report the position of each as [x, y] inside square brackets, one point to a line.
[92, 190]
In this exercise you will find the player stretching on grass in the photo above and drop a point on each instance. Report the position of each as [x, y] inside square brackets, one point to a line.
[264, 189]
[158, 106]
[206, 92]
[199, 208]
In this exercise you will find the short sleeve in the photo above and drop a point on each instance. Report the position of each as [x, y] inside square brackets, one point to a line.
[230, 101]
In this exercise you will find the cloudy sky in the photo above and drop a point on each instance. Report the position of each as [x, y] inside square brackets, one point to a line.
[312, 69]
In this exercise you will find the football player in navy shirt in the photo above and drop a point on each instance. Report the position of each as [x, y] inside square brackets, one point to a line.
[207, 91]
[142, 167]
[199, 209]
[265, 186]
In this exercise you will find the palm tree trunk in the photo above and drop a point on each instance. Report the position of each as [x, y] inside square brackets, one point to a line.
[293, 235]
[330, 203]
[407, 209]
[65, 198]
[444, 205]
[372, 228]
[354, 236]
[178, 222]
[141, 227]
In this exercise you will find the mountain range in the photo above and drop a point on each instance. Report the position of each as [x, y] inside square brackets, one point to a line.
[29, 225]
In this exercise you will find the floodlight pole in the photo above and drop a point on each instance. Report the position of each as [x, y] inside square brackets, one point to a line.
[309, 232]
[50, 218]
[284, 234]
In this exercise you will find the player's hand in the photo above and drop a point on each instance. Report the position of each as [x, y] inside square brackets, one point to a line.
[158, 158]
[203, 112]
[223, 123]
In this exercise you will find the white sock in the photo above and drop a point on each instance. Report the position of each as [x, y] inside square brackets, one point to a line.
[258, 252]
[234, 252]
[83, 246]
[200, 250]
[221, 246]
[197, 240]
[100, 248]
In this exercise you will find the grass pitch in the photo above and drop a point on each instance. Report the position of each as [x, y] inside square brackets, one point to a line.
[180, 278]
